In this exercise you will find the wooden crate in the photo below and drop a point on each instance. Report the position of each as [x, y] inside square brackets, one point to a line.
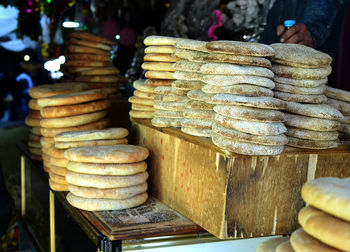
[237, 196]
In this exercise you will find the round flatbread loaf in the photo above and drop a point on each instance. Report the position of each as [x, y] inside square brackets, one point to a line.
[168, 114]
[245, 148]
[299, 90]
[141, 94]
[33, 138]
[199, 113]
[160, 40]
[232, 69]
[166, 122]
[141, 85]
[188, 76]
[33, 104]
[249, 138]
[314, 110]
[310, 123]
[160, 49]
[84, 49]
[34, 144]
[199, 95]
[170, 98]
[271, 244]
[301, 73]
[90, 37]
[158, 66]
[89, 57]
[301, 241]
[72, 121]
[187, 85]
[53, 152]
[196, 131]
[227, 80]
[141, 114]
[312, 144]
[75, 144]
[32, 122]
[285, 247]
[237, 59]
[35, 131]
[197, 123]
[57, 178]
[256, 102]
[249, 113]
[337, 94]
[91, 44]
[35, 114]
[105, 181]
[72, 98]
[62, 171]
[255, 128]
[342, 106]
[300, 83]
[187, 66]
[157, 82]
[108, 169]
[190, 55]
[299, 56]
[160, 57]
[194, 104]
[107, 154]
[312, 134]
[141, 101]
[142, 107]
[160, 75]
[171, 106]
[239, 89]
[241, 48]
[57, 186]
[51, 132]
[100, 71]
[191, 44]
[56, 89]
[106, 204]
[300, 97]
[76, 109]
[326, 228]
[87, 135]
[110, 193]
[330, 195]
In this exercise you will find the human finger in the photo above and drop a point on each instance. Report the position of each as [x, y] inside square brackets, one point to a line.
[279, 30]
[291, 31]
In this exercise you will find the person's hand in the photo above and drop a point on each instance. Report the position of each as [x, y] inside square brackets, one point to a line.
[297, 34]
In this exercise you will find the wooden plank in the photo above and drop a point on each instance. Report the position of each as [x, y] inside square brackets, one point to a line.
[233, 196]
[148, 220]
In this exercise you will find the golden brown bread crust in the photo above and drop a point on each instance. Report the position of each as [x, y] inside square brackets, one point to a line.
[90, 37]
[91, 44]
[83, 56]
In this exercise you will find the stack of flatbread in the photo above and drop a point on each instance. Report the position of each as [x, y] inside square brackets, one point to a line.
[34, 117]
[67, 140]
[107, 177]
[143, 100]
[85, 110]
[159, 68]
[340, 99]
[325, 222]
[197, 115]
[247, 119]
[89, 61]
[300, 77]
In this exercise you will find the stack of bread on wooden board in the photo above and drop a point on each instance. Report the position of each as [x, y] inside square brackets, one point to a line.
[300, 78]
[107, 177]
[325, 222]
[74, 139]
[89, 61]
[340, 99]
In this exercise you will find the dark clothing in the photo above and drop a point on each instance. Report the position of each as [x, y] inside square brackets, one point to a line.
[5, 207]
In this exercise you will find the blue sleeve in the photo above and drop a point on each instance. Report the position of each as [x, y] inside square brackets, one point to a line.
[318, 18]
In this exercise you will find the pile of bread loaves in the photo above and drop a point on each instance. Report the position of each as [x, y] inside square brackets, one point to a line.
[89, 61]
[325, 222]
[249, 98]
